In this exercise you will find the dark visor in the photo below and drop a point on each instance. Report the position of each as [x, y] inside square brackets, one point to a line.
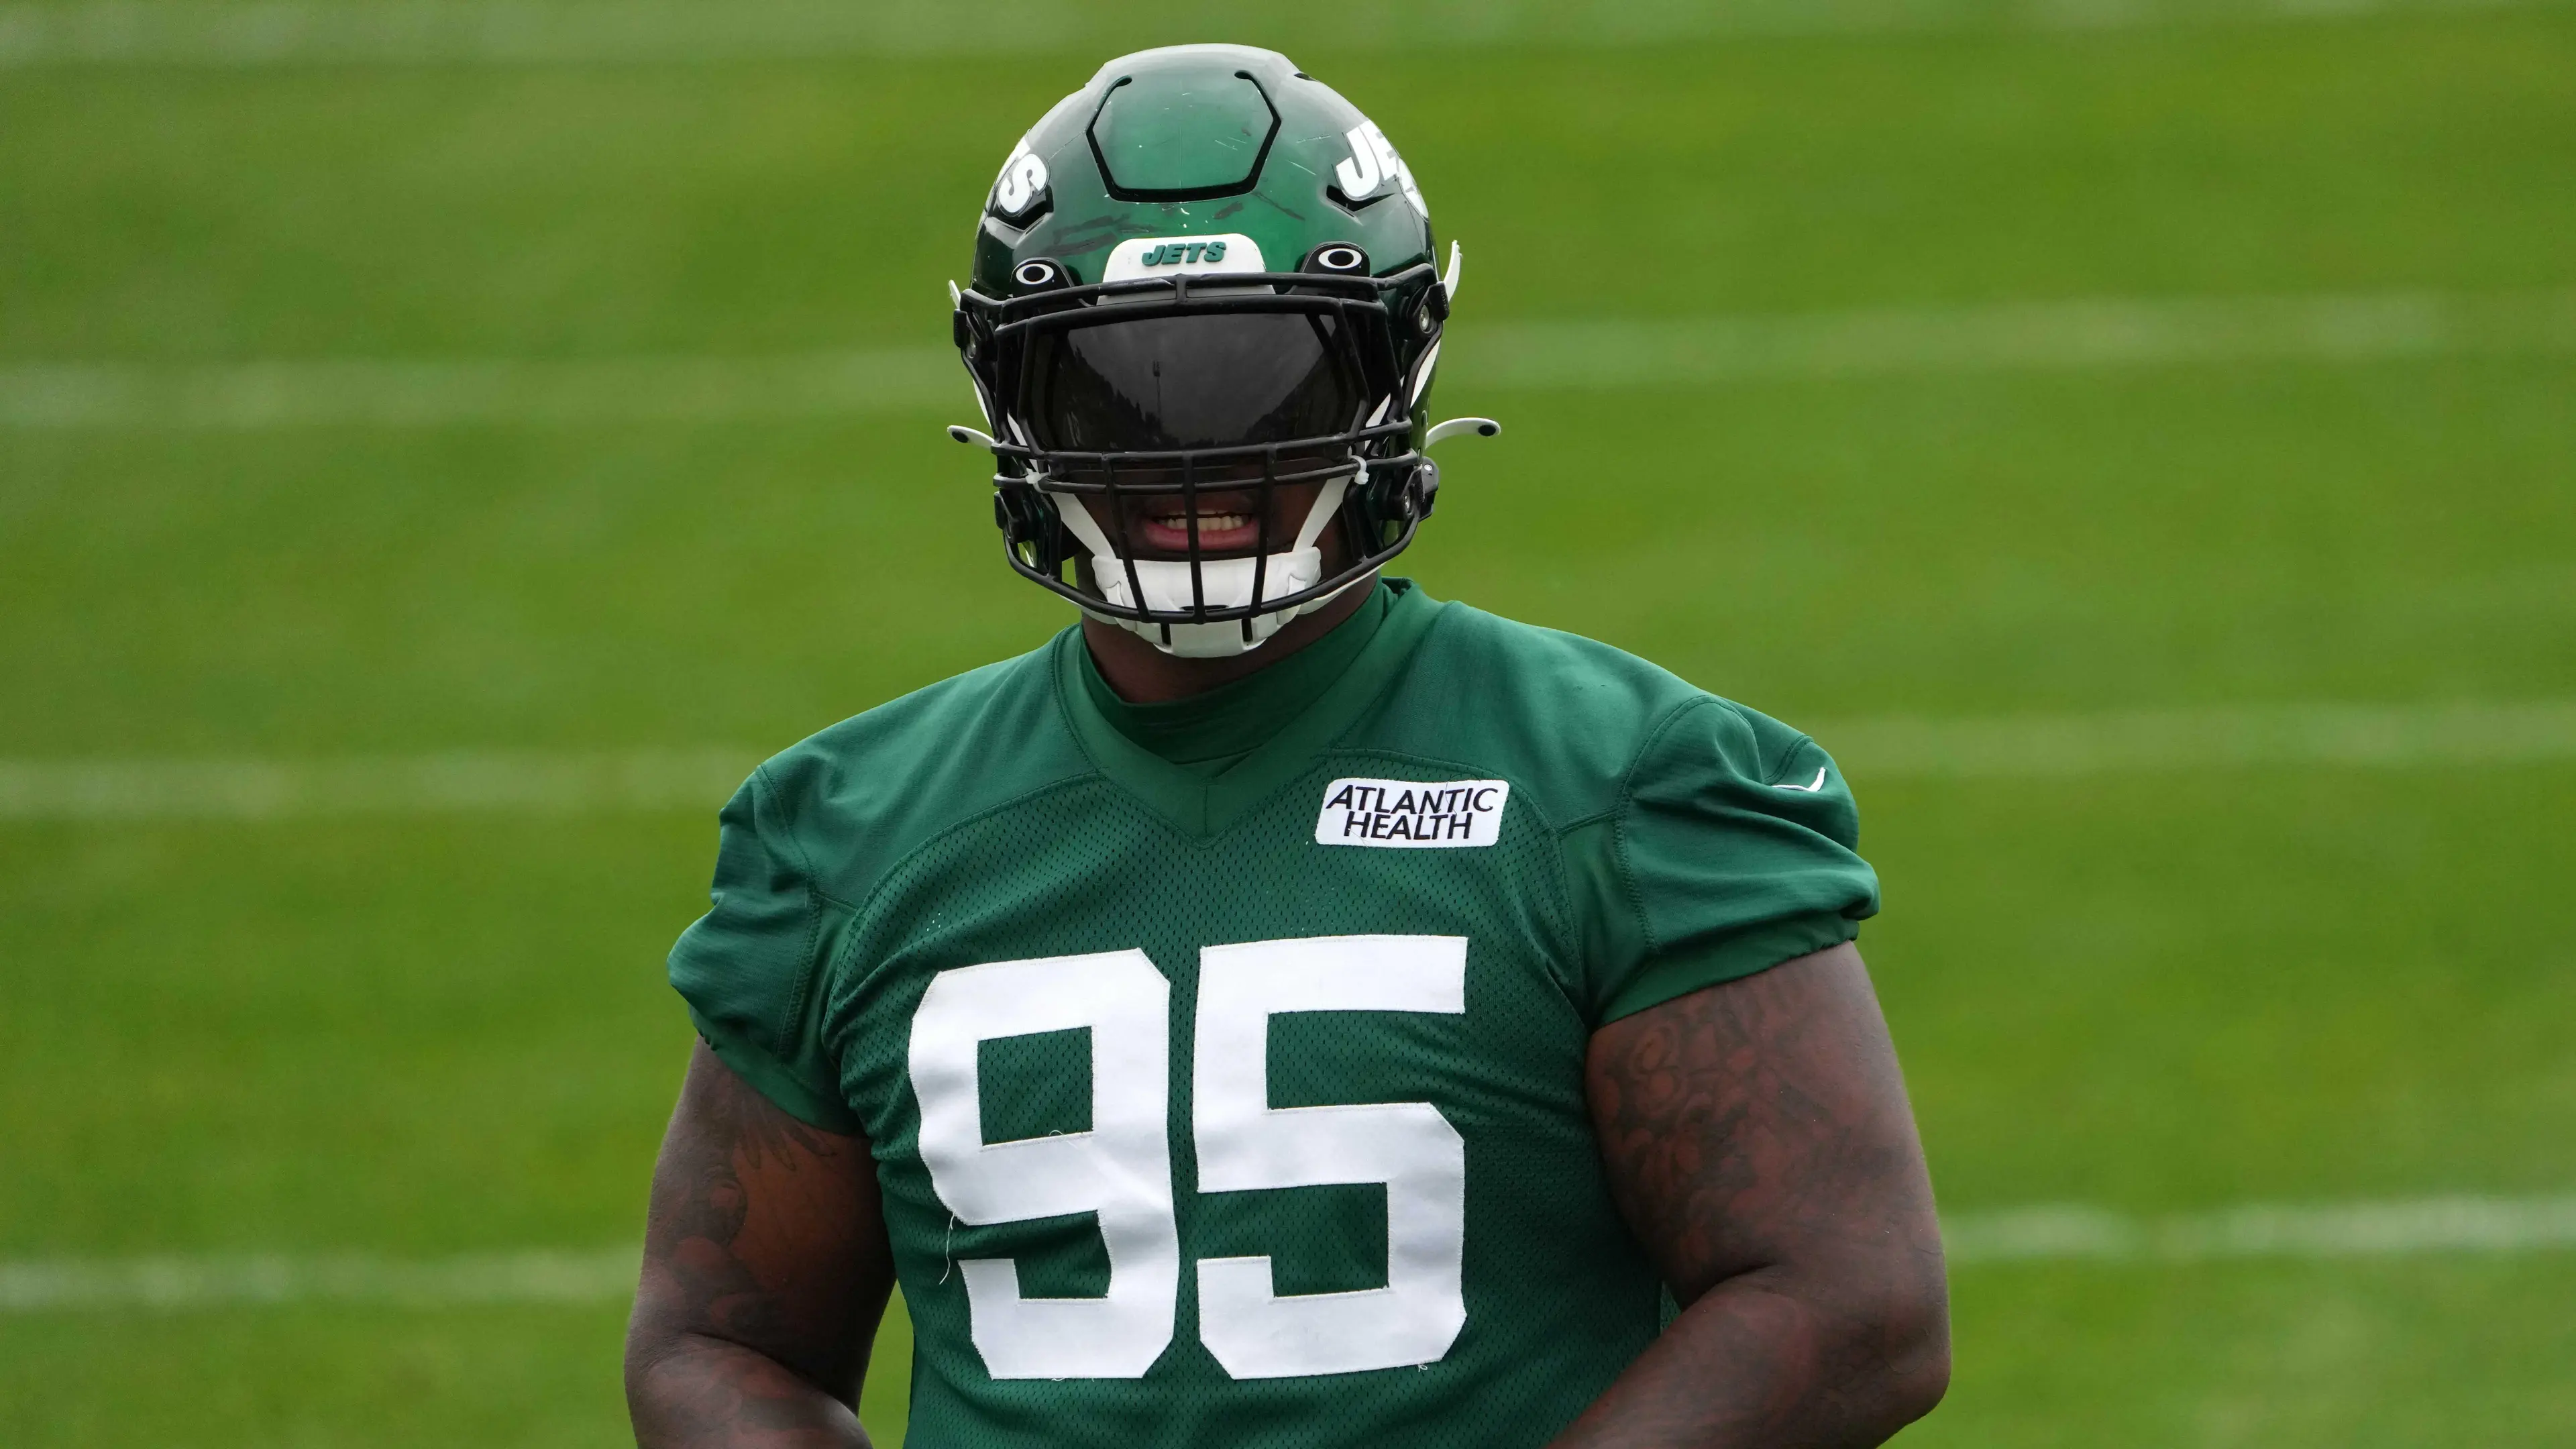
[1195, 381]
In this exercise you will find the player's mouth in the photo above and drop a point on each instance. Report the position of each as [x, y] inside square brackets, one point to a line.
[1158, 523]
[1225, 526]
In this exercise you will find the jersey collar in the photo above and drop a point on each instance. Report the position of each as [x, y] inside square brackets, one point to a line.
[1203, 805]
[1208, 732]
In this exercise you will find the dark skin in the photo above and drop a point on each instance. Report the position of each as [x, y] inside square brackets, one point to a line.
[1758, 1140]
[1755, 1135]
[765, 1272]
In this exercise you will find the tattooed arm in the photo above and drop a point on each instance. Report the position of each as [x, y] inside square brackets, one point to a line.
[1759, 1143]
[765, 1272]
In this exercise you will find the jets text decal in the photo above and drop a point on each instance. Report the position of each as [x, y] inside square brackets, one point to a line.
[1410, 815]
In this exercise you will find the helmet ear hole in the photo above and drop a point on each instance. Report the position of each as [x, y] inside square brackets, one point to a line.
[1031, 526]
[1041, 274]
[1422, 489]
[1340, 259]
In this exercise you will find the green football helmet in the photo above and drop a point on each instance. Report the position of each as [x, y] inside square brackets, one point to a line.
[1205, 290]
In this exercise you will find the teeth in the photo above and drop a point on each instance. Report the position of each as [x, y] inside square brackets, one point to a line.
[1209, 522]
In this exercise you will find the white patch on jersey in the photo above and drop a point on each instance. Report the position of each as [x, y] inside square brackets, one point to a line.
[1410, 815]
[1165, 256]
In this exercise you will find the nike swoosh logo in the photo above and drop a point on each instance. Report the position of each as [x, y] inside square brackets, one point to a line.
[1806, 789]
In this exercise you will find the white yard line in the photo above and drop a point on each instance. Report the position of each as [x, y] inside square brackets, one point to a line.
[2002, 748]
[607, 1275]
[2324, 1230]
[612, 32]
[2161, 741]
[201, 1282]
[363, 393]
[2020, 336]
[1626, 353]
[458, 783]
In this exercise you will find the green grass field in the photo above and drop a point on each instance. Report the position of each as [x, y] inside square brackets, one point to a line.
[2153, 991]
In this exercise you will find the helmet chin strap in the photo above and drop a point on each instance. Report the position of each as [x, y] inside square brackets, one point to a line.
[1225, 582]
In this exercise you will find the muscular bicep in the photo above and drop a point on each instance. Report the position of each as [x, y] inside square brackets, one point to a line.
[1761, 1124]
[765, 1234]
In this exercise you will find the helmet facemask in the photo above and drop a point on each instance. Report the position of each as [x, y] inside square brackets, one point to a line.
[1157, 435]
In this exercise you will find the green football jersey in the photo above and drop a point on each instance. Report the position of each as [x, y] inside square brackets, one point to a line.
[1235, 1096]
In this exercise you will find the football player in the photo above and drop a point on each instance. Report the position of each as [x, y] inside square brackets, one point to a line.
[1284, 1009]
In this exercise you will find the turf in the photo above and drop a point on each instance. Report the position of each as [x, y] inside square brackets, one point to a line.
[424, 1036]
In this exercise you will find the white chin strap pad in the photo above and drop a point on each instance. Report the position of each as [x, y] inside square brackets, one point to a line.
[1226, 582]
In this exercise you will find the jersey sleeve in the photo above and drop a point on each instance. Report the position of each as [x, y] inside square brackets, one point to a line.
[750, 968]
[1733, 848]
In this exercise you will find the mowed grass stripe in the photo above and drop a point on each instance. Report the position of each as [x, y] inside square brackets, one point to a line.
[2042, 747]
[1553, 355]
[2319, 1231]
[524, 32]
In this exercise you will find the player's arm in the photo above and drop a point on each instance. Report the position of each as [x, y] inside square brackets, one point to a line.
[1759, 1143]
[765, 1272]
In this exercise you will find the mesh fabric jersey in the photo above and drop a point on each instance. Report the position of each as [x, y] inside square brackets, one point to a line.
[1244, 1105]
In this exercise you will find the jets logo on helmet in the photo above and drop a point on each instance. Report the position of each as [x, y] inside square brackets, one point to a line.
[1204, 344]
[1372, 164]
[1022, 184]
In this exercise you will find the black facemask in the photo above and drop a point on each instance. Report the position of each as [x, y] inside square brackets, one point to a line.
[1207, 381]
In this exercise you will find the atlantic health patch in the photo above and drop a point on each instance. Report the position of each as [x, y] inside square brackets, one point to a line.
[1411, 815]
